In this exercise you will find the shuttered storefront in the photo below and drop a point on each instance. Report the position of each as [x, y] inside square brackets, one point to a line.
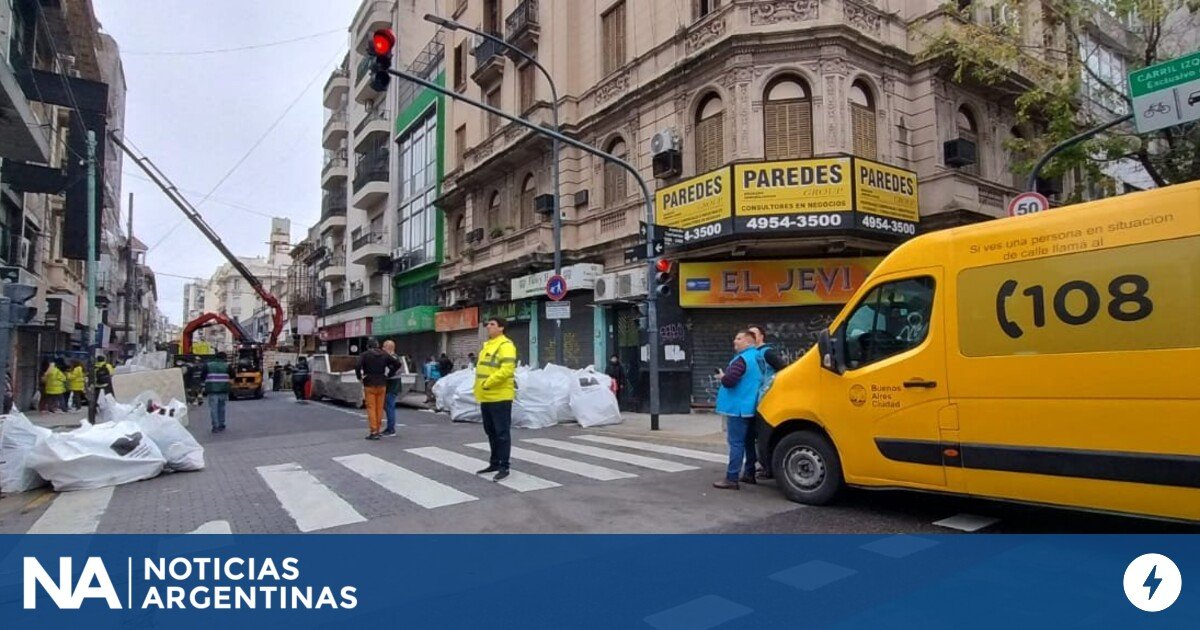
[578, 333]
[461, 343]
[792, 331]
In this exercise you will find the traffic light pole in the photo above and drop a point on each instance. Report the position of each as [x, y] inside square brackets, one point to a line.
[88, 341]
[651, 296]
[556, 221]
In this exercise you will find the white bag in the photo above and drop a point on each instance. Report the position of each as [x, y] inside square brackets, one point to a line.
[533, 407]
[559, 380]
[463, 407]
[178, 447]
[18, 439]
[96, 456]
[444, 388]
[592, 399]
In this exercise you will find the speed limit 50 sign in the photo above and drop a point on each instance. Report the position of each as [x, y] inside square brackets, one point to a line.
[1028, 203]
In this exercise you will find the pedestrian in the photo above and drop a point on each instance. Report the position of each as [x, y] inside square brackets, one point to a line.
[495, 388]
[445, 365]
[616, 373]
[77, 382]
[737, 401]
[103, 371]
[55, 381]
[276, 377]
[470, 359]
[300, 377]
[218, 377]
[770, 362]
[432, 373]
[393, 392]
[374, 368]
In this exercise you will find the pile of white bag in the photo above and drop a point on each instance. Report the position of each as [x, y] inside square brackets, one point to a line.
[545, 397]
[131, 442]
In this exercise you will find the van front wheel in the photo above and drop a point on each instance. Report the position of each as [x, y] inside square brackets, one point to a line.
[807, 468]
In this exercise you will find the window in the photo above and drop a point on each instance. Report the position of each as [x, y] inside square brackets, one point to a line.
[1104, 76]
[615, 178]
[704, 7]
[892, 318]
[493, 121]
[612, 25]
[491, 17]
[528, 192]
[417, 229]
[493, 212]
[460, 145]
[460, 67]
[968, 130]
[710, 134]
[1016, 157]
[460, 236]
[787, 119]
[525, 78]
[862, 121]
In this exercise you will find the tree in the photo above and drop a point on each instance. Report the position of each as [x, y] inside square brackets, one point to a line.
[1055, 85]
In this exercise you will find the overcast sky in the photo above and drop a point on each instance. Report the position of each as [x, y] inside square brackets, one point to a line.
[197, 115]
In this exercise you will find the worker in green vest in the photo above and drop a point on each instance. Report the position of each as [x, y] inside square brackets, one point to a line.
[218, 380]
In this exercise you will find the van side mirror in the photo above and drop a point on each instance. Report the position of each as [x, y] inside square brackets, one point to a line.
[830, 357]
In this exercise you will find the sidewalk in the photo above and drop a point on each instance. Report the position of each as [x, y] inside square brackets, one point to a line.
[68, 419]
[695, 428]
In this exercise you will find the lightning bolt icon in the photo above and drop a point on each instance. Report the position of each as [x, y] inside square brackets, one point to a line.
[1152, 582]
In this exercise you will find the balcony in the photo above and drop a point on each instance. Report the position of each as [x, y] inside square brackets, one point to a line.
[334, 134]
[335, 171]
[337, 87]
[333, 267]
[362, 301]
[333, 211]
[370, 179]
[521, 27]
[369, 247]
[375, 121]
[489, 62]
[22, 136]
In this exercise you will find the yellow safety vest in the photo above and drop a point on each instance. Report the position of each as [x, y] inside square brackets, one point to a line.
[77, 379]
[496, 370]
[56, 381]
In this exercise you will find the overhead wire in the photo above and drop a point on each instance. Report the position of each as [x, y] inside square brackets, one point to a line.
[216, 51]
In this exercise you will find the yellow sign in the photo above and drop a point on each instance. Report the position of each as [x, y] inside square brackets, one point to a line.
[698, 201]
[772, 282]
[885, 191]
[1135, 297]
[796, 186]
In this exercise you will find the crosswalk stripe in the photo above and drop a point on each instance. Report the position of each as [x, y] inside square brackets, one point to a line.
[421, 490]
[583, 469]
[309, 502]
[517, 480]
[75, 512]
[967, 522]
[616, 456]
[704, 456]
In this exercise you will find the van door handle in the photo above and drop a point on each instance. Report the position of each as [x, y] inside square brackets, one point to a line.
[916, 382]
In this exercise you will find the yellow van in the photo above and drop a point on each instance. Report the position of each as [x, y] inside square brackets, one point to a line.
[1051, 358]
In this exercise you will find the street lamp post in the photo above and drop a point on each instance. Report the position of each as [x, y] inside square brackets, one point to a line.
[557, 217]
[651, 296]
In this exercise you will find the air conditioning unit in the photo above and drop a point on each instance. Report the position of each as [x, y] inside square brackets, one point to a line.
[958, 152]
[23, 251]
[398, 253]
[495, 293]
[356, 285]
[631, 284]
[606, 288]
[544, 204]
[452, 297]
[668, 164]
[475, 236]
[663, 141]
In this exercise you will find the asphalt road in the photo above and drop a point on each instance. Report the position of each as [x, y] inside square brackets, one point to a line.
[285, 467]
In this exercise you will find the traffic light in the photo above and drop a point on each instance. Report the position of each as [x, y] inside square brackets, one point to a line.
[663, 277]
[382, 44]
[17, 295]
[643, 316]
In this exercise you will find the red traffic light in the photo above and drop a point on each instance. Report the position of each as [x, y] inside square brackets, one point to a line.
[383, 42]
[662, 265]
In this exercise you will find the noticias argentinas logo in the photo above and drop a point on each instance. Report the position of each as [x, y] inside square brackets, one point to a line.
[181, 584]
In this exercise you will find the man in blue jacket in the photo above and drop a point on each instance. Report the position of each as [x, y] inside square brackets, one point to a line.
[737, 401]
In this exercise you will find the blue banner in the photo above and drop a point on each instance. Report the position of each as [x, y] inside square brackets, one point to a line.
[659, 582]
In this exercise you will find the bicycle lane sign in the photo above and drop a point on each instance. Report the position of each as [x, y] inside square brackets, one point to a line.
[1166, 94]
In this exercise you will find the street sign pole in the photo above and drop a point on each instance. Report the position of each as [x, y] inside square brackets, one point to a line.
[1031, 185]
[91, 276]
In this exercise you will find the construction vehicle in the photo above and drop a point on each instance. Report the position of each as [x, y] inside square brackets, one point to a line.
[248, 356]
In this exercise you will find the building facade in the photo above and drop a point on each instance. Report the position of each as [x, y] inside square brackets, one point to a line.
[790, 145]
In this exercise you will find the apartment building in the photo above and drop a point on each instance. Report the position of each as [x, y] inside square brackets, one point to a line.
[356, 230]
[790, 145]
[61, 76]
